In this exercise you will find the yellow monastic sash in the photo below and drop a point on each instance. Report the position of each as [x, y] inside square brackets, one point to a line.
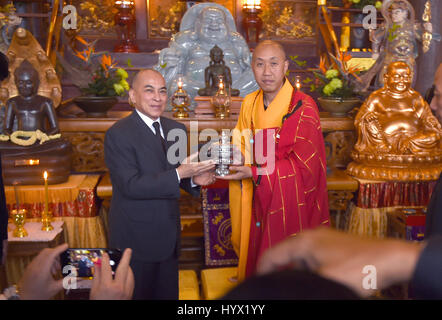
[241, 192]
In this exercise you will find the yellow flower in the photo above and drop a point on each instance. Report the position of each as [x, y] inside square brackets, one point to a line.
[122, 73]
[332, 73]
[119, 89]
[335, 84]
[328, 90]
[125, 84]
[378, 4]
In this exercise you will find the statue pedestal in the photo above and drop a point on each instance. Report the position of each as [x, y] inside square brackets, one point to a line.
[204, 106]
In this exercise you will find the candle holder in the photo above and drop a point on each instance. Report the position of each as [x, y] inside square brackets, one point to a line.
[251, 21]
[46, 219]
[19, 219]
[180, 102]
[125, 20]
[221, 100]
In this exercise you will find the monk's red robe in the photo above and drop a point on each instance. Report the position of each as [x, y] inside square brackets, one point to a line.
[294, 196]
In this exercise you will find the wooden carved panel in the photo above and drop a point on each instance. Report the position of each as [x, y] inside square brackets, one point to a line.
[88, 151]
[339, 200]
[338, 146]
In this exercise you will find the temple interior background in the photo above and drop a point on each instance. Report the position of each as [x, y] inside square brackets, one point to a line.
[307, 29]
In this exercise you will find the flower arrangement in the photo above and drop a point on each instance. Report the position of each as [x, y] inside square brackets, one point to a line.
[337, 80]
[359, 4]
[107, 79]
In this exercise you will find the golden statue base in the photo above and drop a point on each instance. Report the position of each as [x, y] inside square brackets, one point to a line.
[410, 173]
[181, 114]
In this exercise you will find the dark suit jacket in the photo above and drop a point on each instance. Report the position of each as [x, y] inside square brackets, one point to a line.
[3, 214]
[144, 212]
[427, 278]
[433, 223]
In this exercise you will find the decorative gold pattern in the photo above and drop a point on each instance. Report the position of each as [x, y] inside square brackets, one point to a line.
[88, 151]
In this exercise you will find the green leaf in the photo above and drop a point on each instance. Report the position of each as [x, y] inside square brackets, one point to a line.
[163, 65]
[129, 63]
[307, 80]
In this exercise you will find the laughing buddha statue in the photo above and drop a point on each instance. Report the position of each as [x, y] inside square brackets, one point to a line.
[398, 136]
[203, 26]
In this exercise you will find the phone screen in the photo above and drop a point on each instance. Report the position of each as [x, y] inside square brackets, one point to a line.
[83, 262]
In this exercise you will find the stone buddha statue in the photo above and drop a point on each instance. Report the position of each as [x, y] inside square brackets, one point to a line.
[398, 136]
[203, 26]
[36, 119]
[214, 71]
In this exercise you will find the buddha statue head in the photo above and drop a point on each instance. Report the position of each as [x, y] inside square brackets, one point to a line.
[398, 136]
[211, 25]
[216, 55]
[398, 78]
[26, 79]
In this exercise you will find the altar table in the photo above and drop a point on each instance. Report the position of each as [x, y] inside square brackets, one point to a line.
[74, 202]
[21, 251]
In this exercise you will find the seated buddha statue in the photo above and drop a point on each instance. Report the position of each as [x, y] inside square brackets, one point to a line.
[214, 71]
[36, 120]
[203, 26]
[398, 136]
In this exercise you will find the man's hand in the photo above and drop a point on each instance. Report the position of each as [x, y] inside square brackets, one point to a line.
[341, 257]
[241, 172]
[205, 178]
[191, 167]
[104, 287]
[37, 282]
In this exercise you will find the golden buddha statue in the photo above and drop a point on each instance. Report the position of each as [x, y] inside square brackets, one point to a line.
[398, 136]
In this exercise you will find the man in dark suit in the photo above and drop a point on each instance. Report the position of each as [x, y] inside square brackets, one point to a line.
[144, 213]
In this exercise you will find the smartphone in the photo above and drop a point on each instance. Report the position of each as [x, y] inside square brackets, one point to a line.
[81, 262]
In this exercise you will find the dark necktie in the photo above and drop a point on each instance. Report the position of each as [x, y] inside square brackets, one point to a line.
[156, 126]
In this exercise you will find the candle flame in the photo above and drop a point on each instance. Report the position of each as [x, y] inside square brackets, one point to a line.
[45, 175]
[252, 4]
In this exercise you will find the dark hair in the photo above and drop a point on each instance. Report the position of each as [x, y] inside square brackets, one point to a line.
[4, 67]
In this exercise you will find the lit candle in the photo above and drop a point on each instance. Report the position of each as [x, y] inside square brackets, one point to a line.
[45, 176]
[180, 83]
[298, 82]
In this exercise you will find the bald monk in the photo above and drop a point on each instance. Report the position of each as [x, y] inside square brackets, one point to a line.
[280, 189]
[144, 213]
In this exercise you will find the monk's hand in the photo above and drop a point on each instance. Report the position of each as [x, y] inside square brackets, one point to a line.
[238, 173]
[205, 178]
